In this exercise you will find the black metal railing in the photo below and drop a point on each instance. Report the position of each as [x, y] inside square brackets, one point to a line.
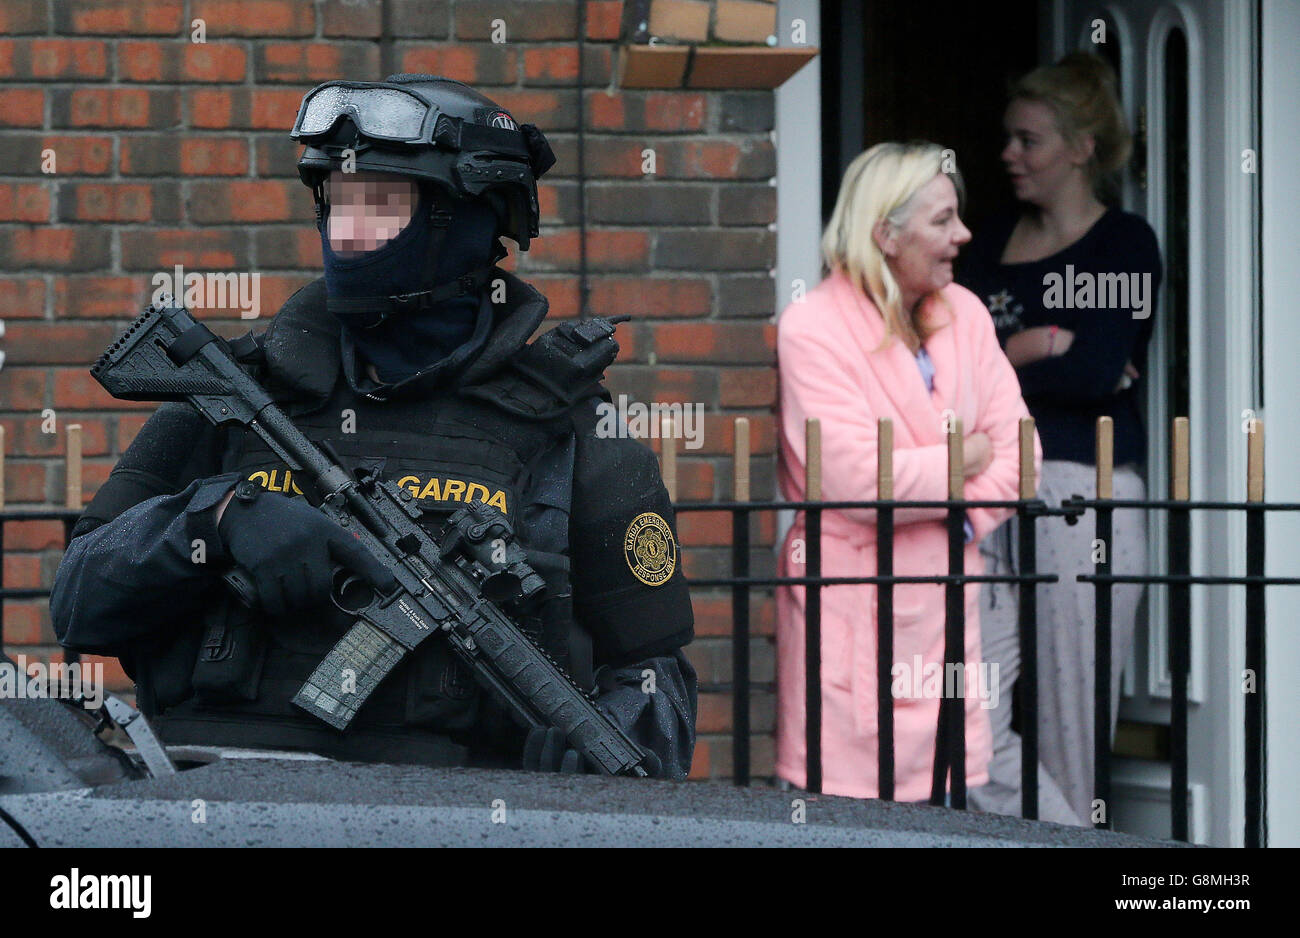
[69, 517]
[950, 739]
[68, 514]
[950, 735]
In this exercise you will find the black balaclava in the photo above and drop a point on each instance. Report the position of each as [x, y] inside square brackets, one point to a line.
[408, 343]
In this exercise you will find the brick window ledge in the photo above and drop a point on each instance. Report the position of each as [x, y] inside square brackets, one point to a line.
[709, 67]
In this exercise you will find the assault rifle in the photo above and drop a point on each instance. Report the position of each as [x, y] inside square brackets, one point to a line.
[453, 585]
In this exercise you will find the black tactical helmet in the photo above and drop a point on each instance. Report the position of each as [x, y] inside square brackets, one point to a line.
[429, 128]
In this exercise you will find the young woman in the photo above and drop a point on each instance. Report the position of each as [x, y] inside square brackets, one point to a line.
[888, 334]
[1072, 286]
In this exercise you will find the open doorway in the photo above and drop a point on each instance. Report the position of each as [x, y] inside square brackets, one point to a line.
[889, 73]
[1189, 74]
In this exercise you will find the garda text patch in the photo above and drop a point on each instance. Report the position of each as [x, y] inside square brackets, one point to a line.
[441, 490]
[453, 490]
[649, 549]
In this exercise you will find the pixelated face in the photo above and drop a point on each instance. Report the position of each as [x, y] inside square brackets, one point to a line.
[367, 210]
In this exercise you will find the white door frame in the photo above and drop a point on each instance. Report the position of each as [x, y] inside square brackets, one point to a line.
[798, 179]
[798, 137]
[1280, 234]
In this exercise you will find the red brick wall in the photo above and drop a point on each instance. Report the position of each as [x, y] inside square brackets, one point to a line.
[169, 151]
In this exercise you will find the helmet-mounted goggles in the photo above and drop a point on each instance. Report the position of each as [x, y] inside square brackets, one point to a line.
[391, 113]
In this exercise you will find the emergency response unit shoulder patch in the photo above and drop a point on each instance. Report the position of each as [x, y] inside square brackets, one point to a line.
[649, 549]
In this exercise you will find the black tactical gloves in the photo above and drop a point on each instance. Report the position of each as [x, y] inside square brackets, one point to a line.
[546, 750]
[289, 549]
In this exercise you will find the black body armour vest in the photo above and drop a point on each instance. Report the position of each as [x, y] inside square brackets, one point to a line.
[505, 440]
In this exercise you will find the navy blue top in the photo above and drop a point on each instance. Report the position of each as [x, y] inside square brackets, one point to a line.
[1103, 288]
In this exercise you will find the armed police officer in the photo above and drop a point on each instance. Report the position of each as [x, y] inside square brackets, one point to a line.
[410, 357]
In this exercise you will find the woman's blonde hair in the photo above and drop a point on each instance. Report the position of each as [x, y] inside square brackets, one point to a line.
[1081, 91]
[879, 184]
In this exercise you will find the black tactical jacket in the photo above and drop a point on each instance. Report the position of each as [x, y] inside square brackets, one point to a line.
[214, 672]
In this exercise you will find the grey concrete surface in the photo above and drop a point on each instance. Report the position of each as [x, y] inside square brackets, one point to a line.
[251, 802]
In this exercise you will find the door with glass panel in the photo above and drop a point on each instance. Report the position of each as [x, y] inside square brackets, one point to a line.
[1187, 82]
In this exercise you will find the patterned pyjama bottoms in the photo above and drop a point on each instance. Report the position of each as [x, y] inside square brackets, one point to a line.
[1066, 642]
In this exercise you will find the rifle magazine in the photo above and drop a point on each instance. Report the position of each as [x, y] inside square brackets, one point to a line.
[347, 676]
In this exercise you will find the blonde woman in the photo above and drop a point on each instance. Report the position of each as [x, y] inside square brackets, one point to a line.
[1078, 357]
[888, 334]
